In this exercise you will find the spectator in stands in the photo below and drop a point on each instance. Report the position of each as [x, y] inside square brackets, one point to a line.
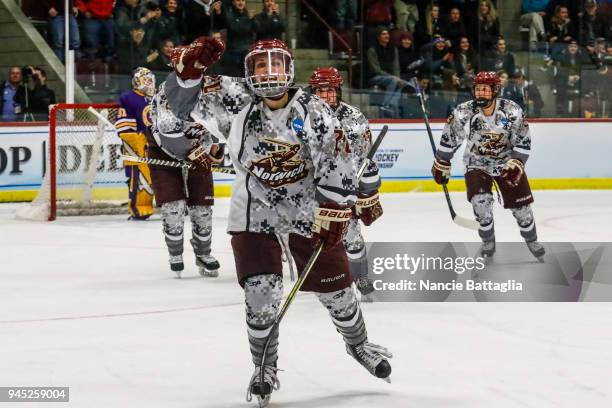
[240, 29]
[410, 60]
[12, 91]
[201, 16]
[151, 22]
[56, 11]
[500, 58]
[383, 70]
[346, 14]
[530, 94]
[39, 95]
[378, 13]
[170, 23]
[406, 14]
[269, 24]
[438, 60]
[430, 26]
[486, 32]
[561, 30]
[136, 53]
[160, 60]
[99, 38]
[465, 62]
[592, 25]
[567, 81]
[532, 16]
[127, 15]
[454, 28]
[509, 90]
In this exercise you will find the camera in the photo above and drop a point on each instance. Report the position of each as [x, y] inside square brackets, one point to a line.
[27, 72]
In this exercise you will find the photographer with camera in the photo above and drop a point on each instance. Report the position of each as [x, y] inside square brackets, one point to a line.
[12, 92]
[34, 104]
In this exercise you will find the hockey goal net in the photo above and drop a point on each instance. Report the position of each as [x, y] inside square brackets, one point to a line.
[83, 171]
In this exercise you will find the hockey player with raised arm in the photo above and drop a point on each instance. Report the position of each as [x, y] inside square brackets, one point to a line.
[353, 135]
[498, 143]
[289, 180]
[174, 137]
[132, 124]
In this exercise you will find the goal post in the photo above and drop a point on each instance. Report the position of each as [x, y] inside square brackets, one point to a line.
[83, 171]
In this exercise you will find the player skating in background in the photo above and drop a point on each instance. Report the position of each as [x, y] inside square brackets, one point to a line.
[498, 146]
[289, 180]
[185, 191]
[133, 121]
[353, 135]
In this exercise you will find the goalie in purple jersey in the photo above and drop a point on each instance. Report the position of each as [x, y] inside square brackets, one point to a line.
[498, 143]
[290, 179]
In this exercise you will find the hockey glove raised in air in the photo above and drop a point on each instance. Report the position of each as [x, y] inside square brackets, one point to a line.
[513, 171]
[368, 208]
[331, 223]
[440, 171]
[190, 61]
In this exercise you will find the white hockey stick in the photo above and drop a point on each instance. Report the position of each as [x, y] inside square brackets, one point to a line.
[171, 163]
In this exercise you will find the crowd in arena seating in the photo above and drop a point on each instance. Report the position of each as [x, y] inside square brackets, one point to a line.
[439, 45]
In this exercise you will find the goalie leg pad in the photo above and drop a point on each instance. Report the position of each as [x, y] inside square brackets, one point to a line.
[355, 250]
[483, 209]
[201, 228]
[173, 218]
[526, 222]
[345, 314]
[263, 295]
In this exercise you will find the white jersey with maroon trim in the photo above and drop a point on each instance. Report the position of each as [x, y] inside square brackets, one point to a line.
[352, 126]
[491, 140]
[287, 161]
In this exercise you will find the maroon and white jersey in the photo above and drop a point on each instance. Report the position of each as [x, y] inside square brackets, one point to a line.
[352, 126]
[287, 161]
[491, 140]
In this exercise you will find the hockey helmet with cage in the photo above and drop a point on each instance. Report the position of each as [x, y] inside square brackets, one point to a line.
[269, 68]
[487, 78]
[327, 77]
[143, 80]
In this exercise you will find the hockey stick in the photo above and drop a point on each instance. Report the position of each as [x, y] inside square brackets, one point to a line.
[461, 221]
[311, 261]
[171, 163]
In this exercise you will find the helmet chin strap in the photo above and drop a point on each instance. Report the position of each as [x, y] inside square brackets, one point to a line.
[484, 103]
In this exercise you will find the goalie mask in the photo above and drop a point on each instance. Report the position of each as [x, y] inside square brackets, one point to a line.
[493, 81]
[143, 80]
[269, 68]
[326, 83]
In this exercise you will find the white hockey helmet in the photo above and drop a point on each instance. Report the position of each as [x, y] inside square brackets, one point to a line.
[143, 80]
[268, 68]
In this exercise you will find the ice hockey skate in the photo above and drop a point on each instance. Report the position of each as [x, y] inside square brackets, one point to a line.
[263, 391]
[487, 250]
[176, 264]
[373, 358]
[208, 266]
[536, 249]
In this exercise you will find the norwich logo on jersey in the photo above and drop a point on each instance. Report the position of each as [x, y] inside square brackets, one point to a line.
[282, 166]
[491, 144]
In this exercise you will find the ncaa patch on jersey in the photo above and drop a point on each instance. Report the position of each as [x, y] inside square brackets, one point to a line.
[298, 125]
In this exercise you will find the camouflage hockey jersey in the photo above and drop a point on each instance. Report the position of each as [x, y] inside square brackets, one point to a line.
[352, 129]
[287, 161]
[491, 141]
[180, 108]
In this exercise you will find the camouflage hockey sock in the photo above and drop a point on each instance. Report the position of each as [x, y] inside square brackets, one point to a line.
[263, 294]
[201, 228]
[173, 217]
[526, 222]
[483, 209]
[345, 314]
[355, 250]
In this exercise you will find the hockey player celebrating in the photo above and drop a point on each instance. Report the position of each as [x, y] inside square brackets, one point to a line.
[181, 191]
[289, 180]
[133, 120]
[498, 146]
[353, 134]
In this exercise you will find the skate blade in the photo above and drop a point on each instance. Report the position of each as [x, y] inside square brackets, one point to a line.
[263, 402]
[209, 273]
[178, 274]
[388, 379]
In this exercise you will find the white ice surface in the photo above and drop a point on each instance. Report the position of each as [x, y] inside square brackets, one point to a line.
[90, 303]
